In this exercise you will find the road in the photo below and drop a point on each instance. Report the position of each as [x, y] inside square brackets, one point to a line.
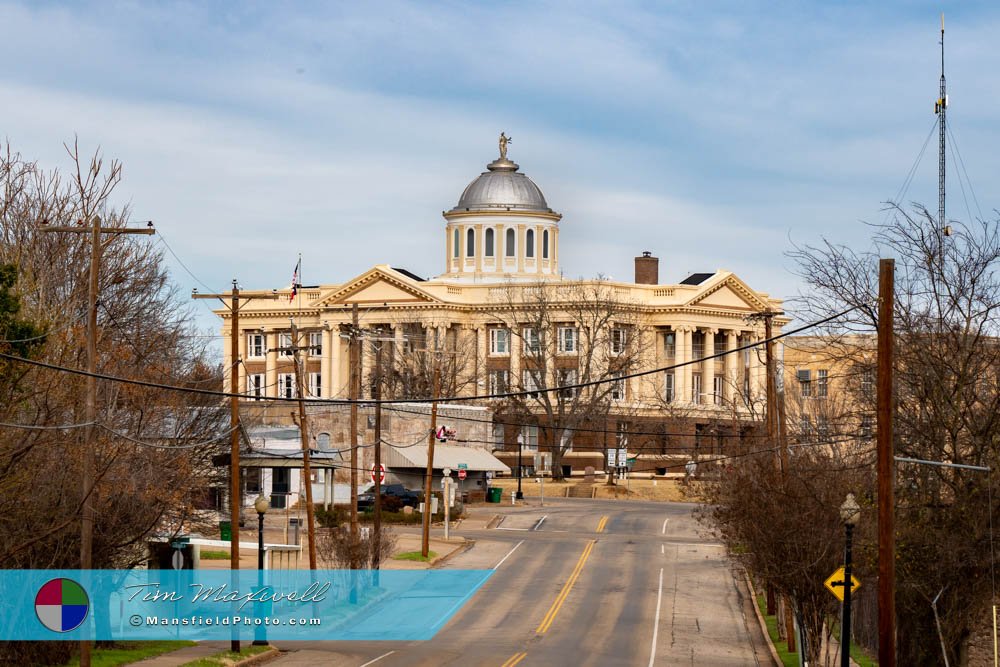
[581, 582]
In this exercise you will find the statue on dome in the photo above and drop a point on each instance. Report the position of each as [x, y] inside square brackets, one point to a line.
[504, 140]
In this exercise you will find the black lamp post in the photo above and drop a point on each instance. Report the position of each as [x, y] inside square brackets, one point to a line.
[520, 466]
[261, 505]
[850, 513]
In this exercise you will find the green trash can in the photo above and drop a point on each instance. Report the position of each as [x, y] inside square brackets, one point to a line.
[495, 495]
[226, 531]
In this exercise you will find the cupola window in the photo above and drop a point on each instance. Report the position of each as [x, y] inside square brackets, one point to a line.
[470, 243]
[489, 242]
[529, 244]
[509, 245]
[545, 244]
[455, 243]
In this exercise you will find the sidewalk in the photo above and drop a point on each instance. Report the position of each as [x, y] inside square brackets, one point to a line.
[184, 655]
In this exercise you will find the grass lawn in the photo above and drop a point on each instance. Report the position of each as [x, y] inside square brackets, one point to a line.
[227, 657]
[415, 555]
[857, 654]
[787, 658]
[128, 652]
[215, 555]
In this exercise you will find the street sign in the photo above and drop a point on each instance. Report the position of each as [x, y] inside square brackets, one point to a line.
[178, 559]
[612, 458]
[381, 473]
[462, 473]
[463, 466]
[622, 457]
[835, 583]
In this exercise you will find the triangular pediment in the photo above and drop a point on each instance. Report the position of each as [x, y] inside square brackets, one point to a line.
[728, 293]
[377, 286]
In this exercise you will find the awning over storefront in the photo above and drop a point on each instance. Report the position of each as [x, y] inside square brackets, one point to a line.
[445, 456]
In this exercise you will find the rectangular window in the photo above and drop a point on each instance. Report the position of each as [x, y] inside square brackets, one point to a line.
[696, 387]
[286, 385]
[619, 337]
[529, 438]
[252, 480]
[285, 343]
[499, 342]
[617, 387]
[867, 424]
[567, 340]
[669, 345]
[867, 381]
[717, 390]
[567, 377]
[821, 383]
[498, 436]
[805, 428]
[822, 427]
[315, 385]
[721, 342]
[316, 344]
[255, 345]
[697, 345]
[529, 381]
[621, 435]
[805, 382]
[668, 387]
[255, 386]
[499, 381]
[532, 341]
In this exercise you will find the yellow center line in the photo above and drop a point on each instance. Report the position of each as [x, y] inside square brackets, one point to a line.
[514, 659]
[567, 587]
[602, 524]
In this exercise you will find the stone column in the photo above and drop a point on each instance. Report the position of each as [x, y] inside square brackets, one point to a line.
[682, 376]
[708, 367]
[326, 364]
[271, 364]
[756, 366]
[730, 386]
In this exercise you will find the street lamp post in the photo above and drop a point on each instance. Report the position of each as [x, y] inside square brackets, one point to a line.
[261, 505]
[520, 466]
[850, 513]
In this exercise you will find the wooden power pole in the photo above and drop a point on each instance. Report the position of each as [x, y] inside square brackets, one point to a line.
[886, 470]
[88, 492]
[304, 432]
[355, 395]
[429, 478]
[377, 468]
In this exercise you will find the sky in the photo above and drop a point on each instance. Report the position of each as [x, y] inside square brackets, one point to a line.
[715, 135]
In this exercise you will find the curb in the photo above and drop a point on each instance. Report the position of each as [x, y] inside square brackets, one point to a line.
[760, 619]
[495, 521]
[258, 659]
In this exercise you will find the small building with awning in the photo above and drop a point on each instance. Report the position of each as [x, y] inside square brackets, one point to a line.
[408, 466]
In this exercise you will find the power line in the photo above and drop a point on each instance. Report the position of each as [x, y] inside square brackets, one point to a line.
[450, 399]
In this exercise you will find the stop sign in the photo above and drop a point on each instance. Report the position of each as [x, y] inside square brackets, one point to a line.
[381, 473]
[461, 474]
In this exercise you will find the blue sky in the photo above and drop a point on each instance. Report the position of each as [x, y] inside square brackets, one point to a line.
[713, 134]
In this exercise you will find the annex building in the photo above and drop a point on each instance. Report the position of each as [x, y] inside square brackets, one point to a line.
[567, 369]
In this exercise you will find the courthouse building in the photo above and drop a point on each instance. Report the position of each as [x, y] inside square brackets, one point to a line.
[501, 318]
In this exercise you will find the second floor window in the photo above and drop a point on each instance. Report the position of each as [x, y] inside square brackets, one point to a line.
[499, 381]
[668, 387]
[315, 385]
[617, 387]
[867, 381]
[255, 386]
[567, 378]
[696, 387]
[316, 344]
[717, 390]
[286, 385]
[567, 340]
[619, 338]
[669, 344]
[255, 345]
[821, 382]
[499, 342]
[529, 382]
[529, 438]
[532, 341]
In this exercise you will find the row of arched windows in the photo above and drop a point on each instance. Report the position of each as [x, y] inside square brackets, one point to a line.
[509, 246]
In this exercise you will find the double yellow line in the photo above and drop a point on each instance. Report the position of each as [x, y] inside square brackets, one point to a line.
[601, 524]
[514, 659]
[567, 587]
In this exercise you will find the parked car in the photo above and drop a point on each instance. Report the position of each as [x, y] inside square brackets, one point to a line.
[398, 491]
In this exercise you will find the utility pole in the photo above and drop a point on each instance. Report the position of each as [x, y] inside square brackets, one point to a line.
[234, 420]
[355, 395]
[429, 479]
[304, 432]
[377, 468]
[886, 469]
[87, 512]
[940, 108]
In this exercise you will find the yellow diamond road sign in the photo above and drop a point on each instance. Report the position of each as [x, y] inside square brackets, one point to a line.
[835, 583]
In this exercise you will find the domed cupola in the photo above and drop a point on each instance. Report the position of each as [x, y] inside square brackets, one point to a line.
[502, 226]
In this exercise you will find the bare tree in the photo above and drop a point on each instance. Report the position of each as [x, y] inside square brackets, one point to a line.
[564, 334]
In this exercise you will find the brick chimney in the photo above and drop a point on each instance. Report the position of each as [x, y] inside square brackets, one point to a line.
[647, 269]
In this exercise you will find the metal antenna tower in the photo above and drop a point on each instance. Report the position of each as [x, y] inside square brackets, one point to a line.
[940, 109]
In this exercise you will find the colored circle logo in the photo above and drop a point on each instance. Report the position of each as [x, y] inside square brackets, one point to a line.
[61, 605]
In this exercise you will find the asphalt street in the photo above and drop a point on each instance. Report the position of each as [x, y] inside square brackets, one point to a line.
[581, 582]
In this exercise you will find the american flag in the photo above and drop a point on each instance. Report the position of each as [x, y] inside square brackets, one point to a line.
[295, 280]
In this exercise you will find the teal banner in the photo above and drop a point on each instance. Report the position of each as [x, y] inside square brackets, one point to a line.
[220, 604]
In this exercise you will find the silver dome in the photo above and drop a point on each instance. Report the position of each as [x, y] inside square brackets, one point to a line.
[502, 188]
